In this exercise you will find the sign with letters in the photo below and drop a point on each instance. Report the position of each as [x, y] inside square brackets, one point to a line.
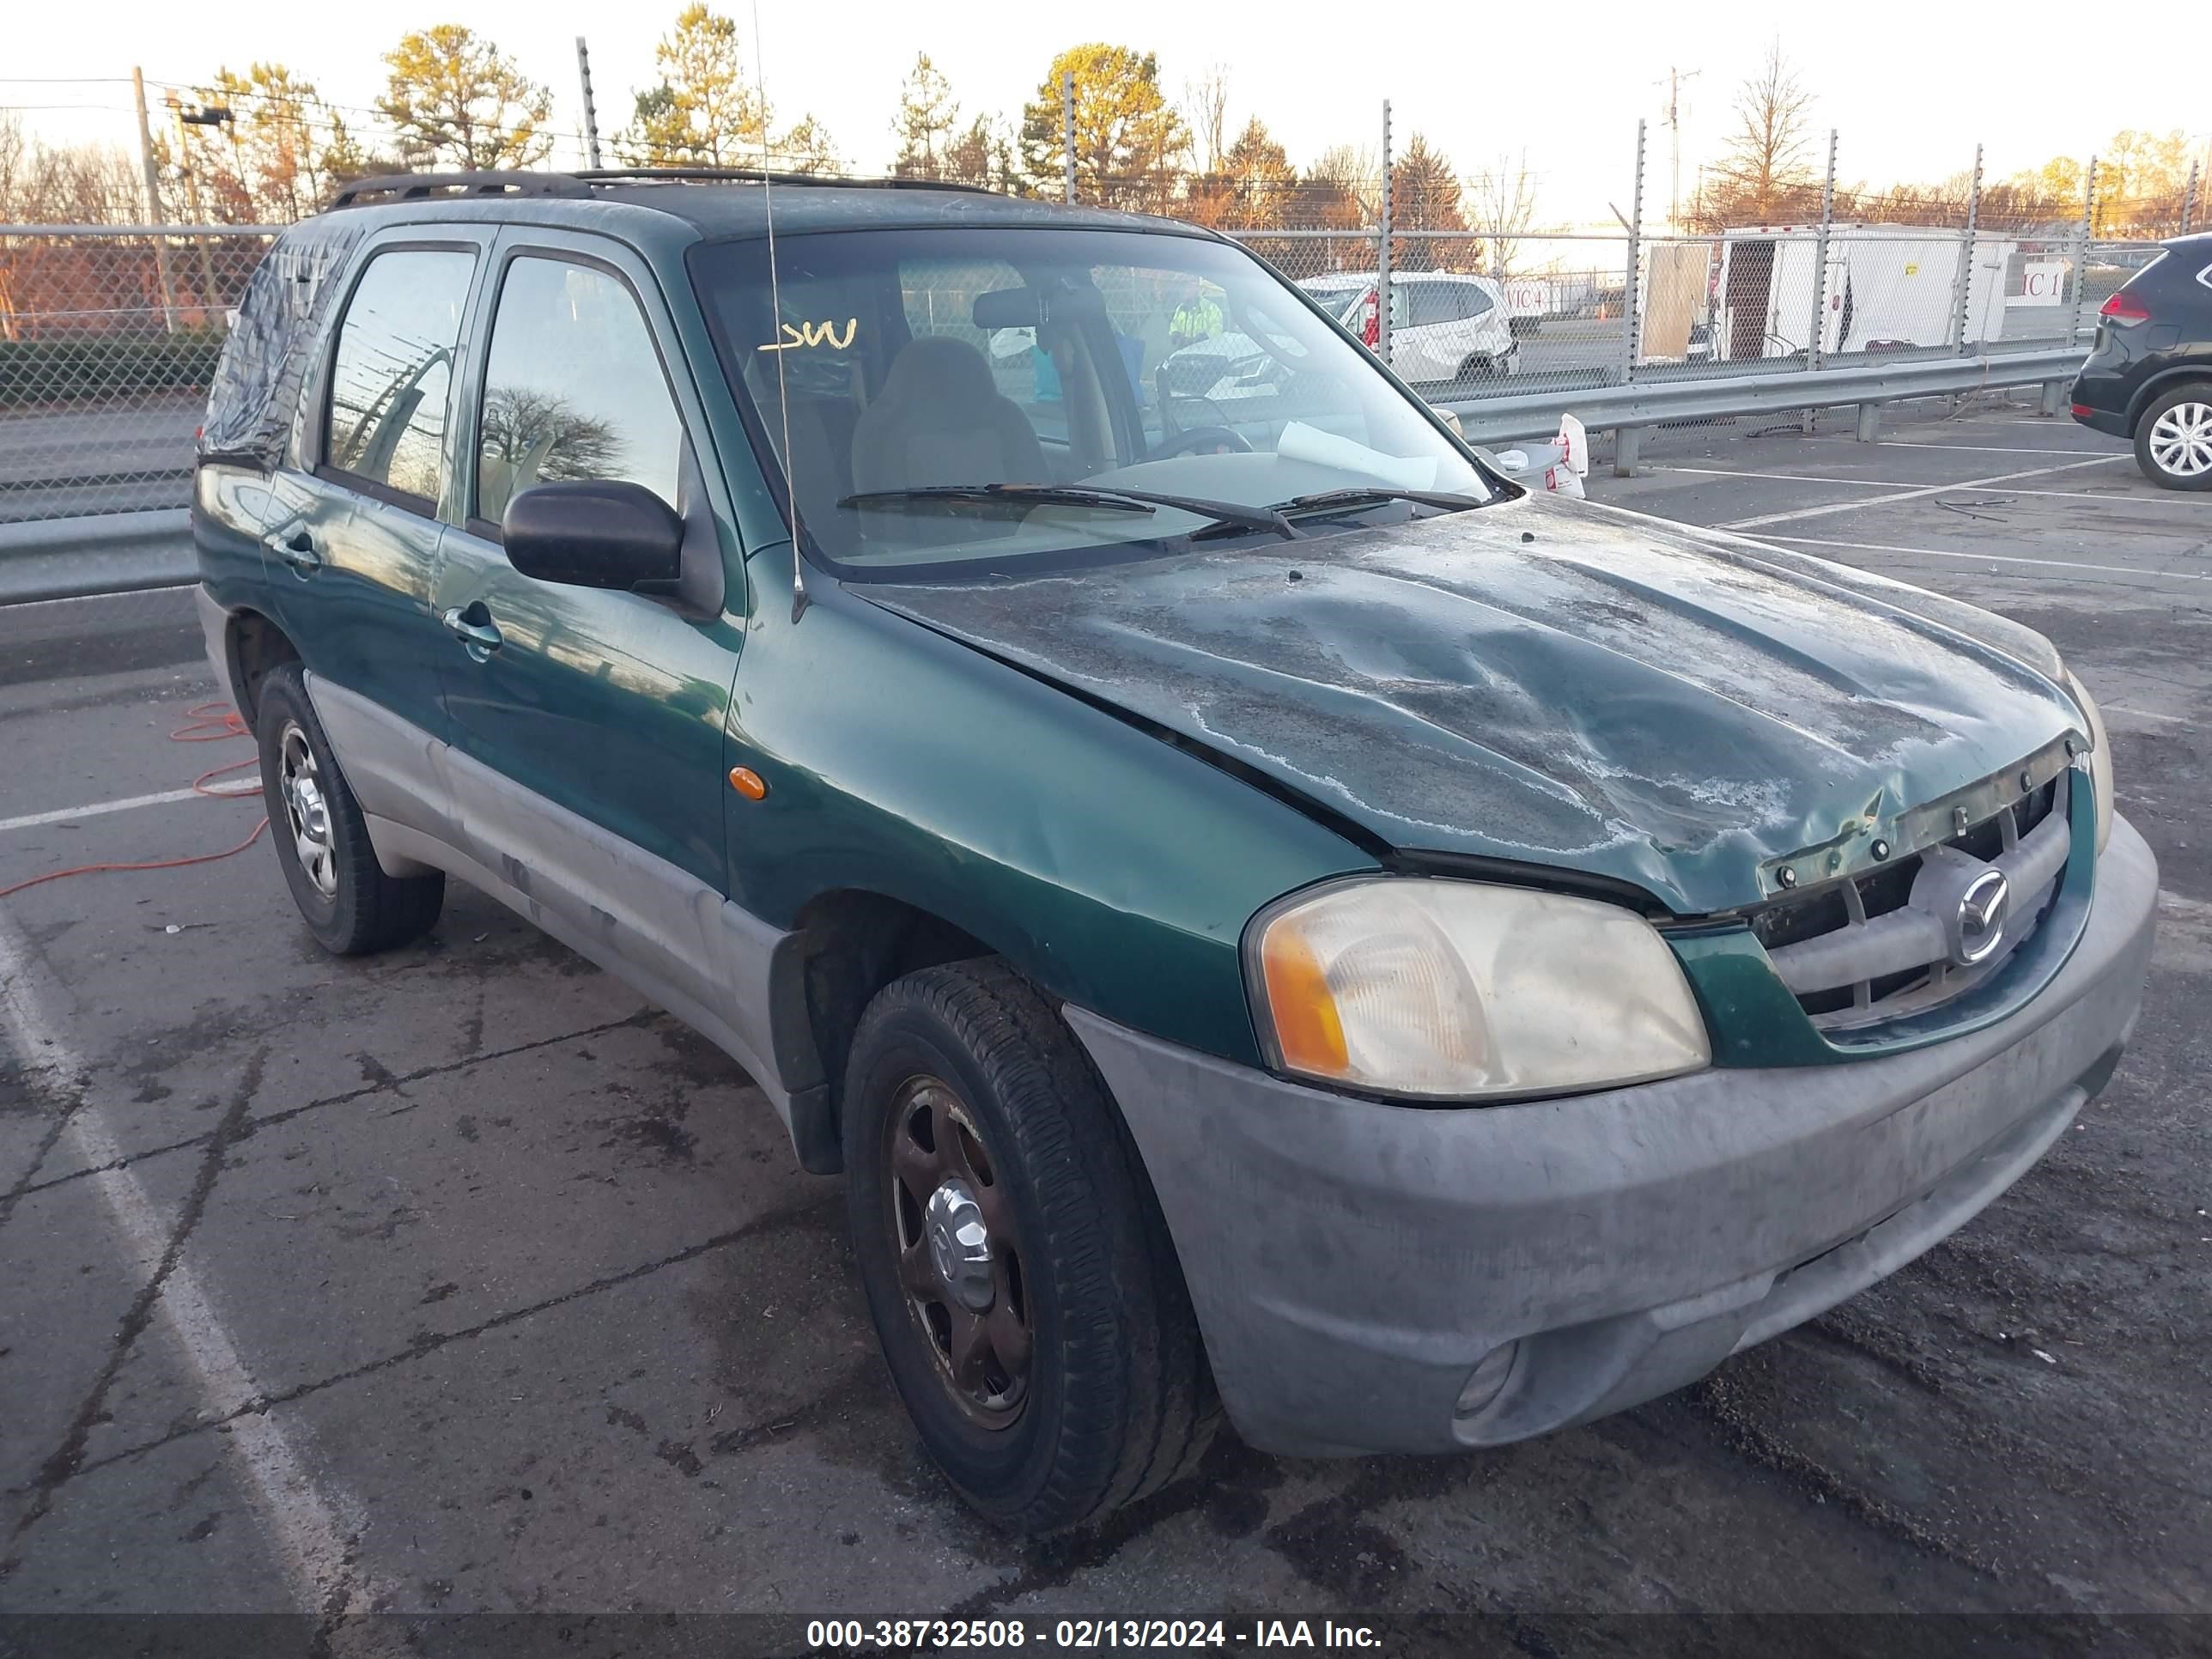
[2043, 281]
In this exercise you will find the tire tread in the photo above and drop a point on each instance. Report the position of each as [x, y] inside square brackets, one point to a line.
[1130, 1345]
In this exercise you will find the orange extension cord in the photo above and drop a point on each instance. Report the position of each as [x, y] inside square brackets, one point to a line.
[207, 722]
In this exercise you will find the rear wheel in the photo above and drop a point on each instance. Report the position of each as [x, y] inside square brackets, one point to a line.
[1478, 368]
[2173, 437]
[348, 904]
[1018, 1273]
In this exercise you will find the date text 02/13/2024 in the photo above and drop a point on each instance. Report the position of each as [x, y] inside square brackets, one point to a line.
[854, 1635]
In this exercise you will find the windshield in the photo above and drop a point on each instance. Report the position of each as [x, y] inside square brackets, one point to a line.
[1096, 372]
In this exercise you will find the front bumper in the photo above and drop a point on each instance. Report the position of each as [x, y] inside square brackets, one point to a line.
[1351, 1262]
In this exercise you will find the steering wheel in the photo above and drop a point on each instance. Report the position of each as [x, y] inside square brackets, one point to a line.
[1202, 440]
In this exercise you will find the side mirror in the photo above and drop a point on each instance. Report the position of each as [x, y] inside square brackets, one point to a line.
[594, 533]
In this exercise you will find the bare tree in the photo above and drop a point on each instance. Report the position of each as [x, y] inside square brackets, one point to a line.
[15, 159]
[1502, 205]
[1343, 187]
[1768, 159]
[1206, 102]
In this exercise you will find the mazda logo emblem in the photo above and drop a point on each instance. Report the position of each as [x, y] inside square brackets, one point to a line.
[1979, 928]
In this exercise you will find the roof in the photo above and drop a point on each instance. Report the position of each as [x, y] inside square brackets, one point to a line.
[724, 202]
[1354, 279]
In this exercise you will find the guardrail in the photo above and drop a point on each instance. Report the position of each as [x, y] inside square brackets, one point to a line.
[122, 552]
[1628, 410]
[109, 553]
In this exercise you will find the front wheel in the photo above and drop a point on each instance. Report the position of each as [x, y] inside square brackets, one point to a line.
[2173, 437]
[1018, 1273]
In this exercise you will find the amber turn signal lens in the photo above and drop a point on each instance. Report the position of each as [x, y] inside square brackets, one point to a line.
[1307, 1027]
[748, 782]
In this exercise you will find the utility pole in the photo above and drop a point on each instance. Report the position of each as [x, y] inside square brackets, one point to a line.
[154, 214]
[1383, 250]
[1962, 299]
[1674, 85]
[2081, 250]
[1067, 135]
[202, 117]
[1819, 329]
[591, 113]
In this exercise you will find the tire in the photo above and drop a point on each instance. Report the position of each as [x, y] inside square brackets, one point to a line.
[2173, 437]
[966, 1077]
[348, 904]
[1476, 370]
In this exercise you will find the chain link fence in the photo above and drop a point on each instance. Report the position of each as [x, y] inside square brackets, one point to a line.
[109, 336]
[1560, 312]
[109, 332]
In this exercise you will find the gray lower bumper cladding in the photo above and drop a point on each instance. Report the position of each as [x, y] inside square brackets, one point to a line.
[1380, 1278]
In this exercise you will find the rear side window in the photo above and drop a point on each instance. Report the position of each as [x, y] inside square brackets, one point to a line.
[394, 369]
[573, 389]
[1434, 302]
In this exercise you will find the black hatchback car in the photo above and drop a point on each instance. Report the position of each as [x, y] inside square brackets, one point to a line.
[2148, 377]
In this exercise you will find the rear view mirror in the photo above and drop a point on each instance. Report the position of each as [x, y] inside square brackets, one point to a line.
[1008, 307]
[595, 533]
[1028, 307]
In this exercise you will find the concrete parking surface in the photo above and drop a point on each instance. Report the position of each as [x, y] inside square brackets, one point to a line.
[460, 1278]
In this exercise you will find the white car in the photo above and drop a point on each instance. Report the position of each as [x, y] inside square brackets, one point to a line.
[1444, 326]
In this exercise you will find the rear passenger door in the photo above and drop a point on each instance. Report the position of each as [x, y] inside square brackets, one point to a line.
[1429, 347]
[352, 537]
[578, 703]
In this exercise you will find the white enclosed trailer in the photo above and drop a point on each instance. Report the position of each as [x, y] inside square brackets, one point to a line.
[1890, 288]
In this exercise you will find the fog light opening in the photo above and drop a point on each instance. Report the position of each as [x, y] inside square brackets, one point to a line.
[1487, 1380]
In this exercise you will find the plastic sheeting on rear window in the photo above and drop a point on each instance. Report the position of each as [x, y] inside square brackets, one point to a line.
[257, 381]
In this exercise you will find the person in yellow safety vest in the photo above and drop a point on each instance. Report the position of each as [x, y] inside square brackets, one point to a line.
[1197, 318]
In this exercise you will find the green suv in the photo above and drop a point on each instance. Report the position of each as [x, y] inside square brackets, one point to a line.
[1269, 918]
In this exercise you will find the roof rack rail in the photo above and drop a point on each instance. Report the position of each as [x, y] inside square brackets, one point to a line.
[753, 175]
[432, 186]
[424, 186]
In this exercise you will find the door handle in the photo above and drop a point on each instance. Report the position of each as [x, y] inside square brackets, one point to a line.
[481, 638]
[297, 549]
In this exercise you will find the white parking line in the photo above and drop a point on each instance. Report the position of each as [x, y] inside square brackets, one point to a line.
[130, 804]
[1994, 558]
[1976, 449]
[306, 1532]
[1791, 478]
[1795, 513]
[2150, 714]
[2132, 499]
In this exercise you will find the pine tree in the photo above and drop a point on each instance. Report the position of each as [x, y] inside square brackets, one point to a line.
[453, 97]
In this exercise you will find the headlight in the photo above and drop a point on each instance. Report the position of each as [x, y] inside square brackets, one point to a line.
[2100, 758]
[1406, 986]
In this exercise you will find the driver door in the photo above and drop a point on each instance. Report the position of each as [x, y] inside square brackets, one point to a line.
[588, 713]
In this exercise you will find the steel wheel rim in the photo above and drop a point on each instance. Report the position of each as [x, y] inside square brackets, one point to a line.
[307, 810]
[942, 1178]
[2181, 439]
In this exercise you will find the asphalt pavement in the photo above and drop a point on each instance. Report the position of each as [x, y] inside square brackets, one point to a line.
[461, 1280]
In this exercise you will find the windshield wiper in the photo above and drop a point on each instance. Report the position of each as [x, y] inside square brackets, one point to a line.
[1367, 494]
[1224, 513]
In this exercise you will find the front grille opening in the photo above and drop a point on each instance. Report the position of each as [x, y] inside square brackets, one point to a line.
[1878, 892]
[1785, 924]
[1843, 997]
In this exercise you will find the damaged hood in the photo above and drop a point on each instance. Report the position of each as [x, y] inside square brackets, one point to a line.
[1552, 682]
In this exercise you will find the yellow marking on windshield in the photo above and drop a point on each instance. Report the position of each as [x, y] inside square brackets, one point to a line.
[813, 334]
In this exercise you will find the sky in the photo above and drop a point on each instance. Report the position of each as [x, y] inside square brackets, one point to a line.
[1911, 87]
